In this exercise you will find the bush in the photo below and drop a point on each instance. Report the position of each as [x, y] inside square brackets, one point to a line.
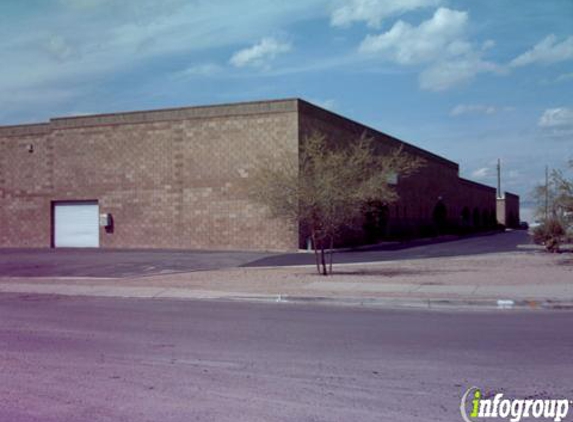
[550, 234]
[569, 233]
[427, 230]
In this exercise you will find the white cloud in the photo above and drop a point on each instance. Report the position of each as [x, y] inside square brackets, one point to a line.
[432, 39]
[439, 43]
[488, 44]
[462, 109]
[560, 117]
[564, 77]
[547, 51]
[557, 123]
[481, 173]
[260, 54]
[205, 69]
[30, 97]
[83, 43]
[59, 48]
[139, 11]
[447, 74]
[374, 11]
[472, 109]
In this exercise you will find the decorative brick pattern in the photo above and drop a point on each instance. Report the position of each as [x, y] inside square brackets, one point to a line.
[437, 181]
[170, 179]
[178, 178]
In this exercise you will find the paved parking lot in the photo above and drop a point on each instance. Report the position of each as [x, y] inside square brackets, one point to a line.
[115, 263]
[106, 263]
[417, 249]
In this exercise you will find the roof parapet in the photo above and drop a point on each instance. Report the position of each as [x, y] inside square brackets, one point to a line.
[25, 129]
[151, 116]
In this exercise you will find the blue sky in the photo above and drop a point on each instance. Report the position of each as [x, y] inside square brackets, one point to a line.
[471, 80]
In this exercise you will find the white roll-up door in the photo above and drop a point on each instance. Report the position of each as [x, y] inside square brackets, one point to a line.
[76, 225]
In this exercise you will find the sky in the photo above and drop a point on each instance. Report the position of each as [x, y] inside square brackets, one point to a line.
[472, 80]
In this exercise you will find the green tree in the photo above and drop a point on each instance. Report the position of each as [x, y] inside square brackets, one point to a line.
[564, 194]
[554, 209]
[328, 187]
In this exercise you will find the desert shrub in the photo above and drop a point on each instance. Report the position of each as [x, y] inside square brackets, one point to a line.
[427, 230]
[550, 234]
[569, 233]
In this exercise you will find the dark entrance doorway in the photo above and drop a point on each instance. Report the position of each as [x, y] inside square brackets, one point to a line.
[440, 216]
[376, 222]
[466, 217]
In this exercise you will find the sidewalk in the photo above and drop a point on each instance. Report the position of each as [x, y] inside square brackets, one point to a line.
[507, 280]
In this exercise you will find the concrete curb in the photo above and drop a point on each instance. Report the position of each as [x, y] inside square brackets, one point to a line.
[415, 303]
[436, 303]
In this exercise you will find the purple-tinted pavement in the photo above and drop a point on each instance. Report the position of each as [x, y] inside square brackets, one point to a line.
[108, 359]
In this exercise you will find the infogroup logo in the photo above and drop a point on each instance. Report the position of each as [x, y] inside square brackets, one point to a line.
[474, 407]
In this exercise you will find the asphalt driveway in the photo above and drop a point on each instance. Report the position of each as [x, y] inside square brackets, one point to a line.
[418, 249]
[106, 263]
[109, 263]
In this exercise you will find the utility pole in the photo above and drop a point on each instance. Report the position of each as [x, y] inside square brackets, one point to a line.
[499, 178]
[546, 193]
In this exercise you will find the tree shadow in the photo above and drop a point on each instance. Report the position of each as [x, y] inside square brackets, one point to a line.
[386, 272]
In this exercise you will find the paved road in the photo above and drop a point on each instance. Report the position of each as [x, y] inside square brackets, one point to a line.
[125, 263]
[128, 360]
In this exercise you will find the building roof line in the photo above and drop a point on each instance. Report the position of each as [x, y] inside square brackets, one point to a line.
[379, 132]
[506, 193]
[176, 109]
[156, 115]
[477, 184]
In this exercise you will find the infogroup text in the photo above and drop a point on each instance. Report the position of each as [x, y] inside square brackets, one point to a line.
[474, 407]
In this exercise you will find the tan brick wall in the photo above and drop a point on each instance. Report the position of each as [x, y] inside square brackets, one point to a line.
[170, 179]
[437, 180]
[24, 190]
[178, 178]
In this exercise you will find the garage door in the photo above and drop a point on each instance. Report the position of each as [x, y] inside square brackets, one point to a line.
[76, 225]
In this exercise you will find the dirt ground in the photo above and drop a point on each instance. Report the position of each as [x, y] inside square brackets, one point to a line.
[531, 269]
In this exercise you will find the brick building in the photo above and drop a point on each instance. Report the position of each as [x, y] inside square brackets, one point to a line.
[178, 178]
[508, 210]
